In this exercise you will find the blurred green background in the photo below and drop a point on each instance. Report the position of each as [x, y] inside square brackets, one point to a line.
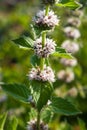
[15, 19]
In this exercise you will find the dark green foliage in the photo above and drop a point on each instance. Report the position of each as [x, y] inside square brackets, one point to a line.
[62, 106]
[18, 91]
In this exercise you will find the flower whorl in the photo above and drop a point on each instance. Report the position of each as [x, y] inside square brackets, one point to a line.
[45, 51]
[47, 22]
[42, 75]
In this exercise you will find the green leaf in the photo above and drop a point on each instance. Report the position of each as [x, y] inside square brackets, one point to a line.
[35, 89]
[60, 50]
[63, 55]
[41, 93]
[13, 124]
[62, 106]
[18, 91]
[35, 61]
[72, 4]
[45, 93]
[82, 125]
[24, 41]
[2, 120]
[47, 115]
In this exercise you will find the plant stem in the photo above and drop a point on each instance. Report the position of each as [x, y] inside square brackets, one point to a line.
[43, 43]
[47, 10]
[38, 121]
[43, 38]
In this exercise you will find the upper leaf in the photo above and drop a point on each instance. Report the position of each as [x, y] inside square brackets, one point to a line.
[61, 50]
[2, 120]
[63, 55]
[62, 106]
[24, 42]
[18, 91]
[72, 4]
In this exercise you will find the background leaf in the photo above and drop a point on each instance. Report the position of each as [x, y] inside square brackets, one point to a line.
[2, 120]
[13, 124]
[82, 124]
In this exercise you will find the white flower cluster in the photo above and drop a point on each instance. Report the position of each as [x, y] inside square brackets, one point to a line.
[50, 20]
[66, 76]
[70, 46]
[42, 75]
[74, 21]
[32, 125]
[68, 62]
[72, 32]
[45, 51]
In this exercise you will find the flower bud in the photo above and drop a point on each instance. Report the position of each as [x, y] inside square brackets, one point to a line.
[45, 51]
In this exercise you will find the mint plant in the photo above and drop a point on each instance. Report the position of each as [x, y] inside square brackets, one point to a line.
[39, 93]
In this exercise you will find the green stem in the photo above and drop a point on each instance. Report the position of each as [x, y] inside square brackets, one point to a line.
[43, 38]
[38, 121]
[47, 10]
[43, 43]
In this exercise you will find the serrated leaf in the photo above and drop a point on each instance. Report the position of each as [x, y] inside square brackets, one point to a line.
[45, 93]
[24, 42]
[35, 89]
[63, 106]
[72, 4]
[13, 124]
[60, 50]
[17, 91]
[35, 61]
[2, 120]
[63, 55]
[47, 115]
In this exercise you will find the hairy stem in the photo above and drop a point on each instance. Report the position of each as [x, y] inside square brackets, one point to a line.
[47, 10]
[38, 121]
[44, 37]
